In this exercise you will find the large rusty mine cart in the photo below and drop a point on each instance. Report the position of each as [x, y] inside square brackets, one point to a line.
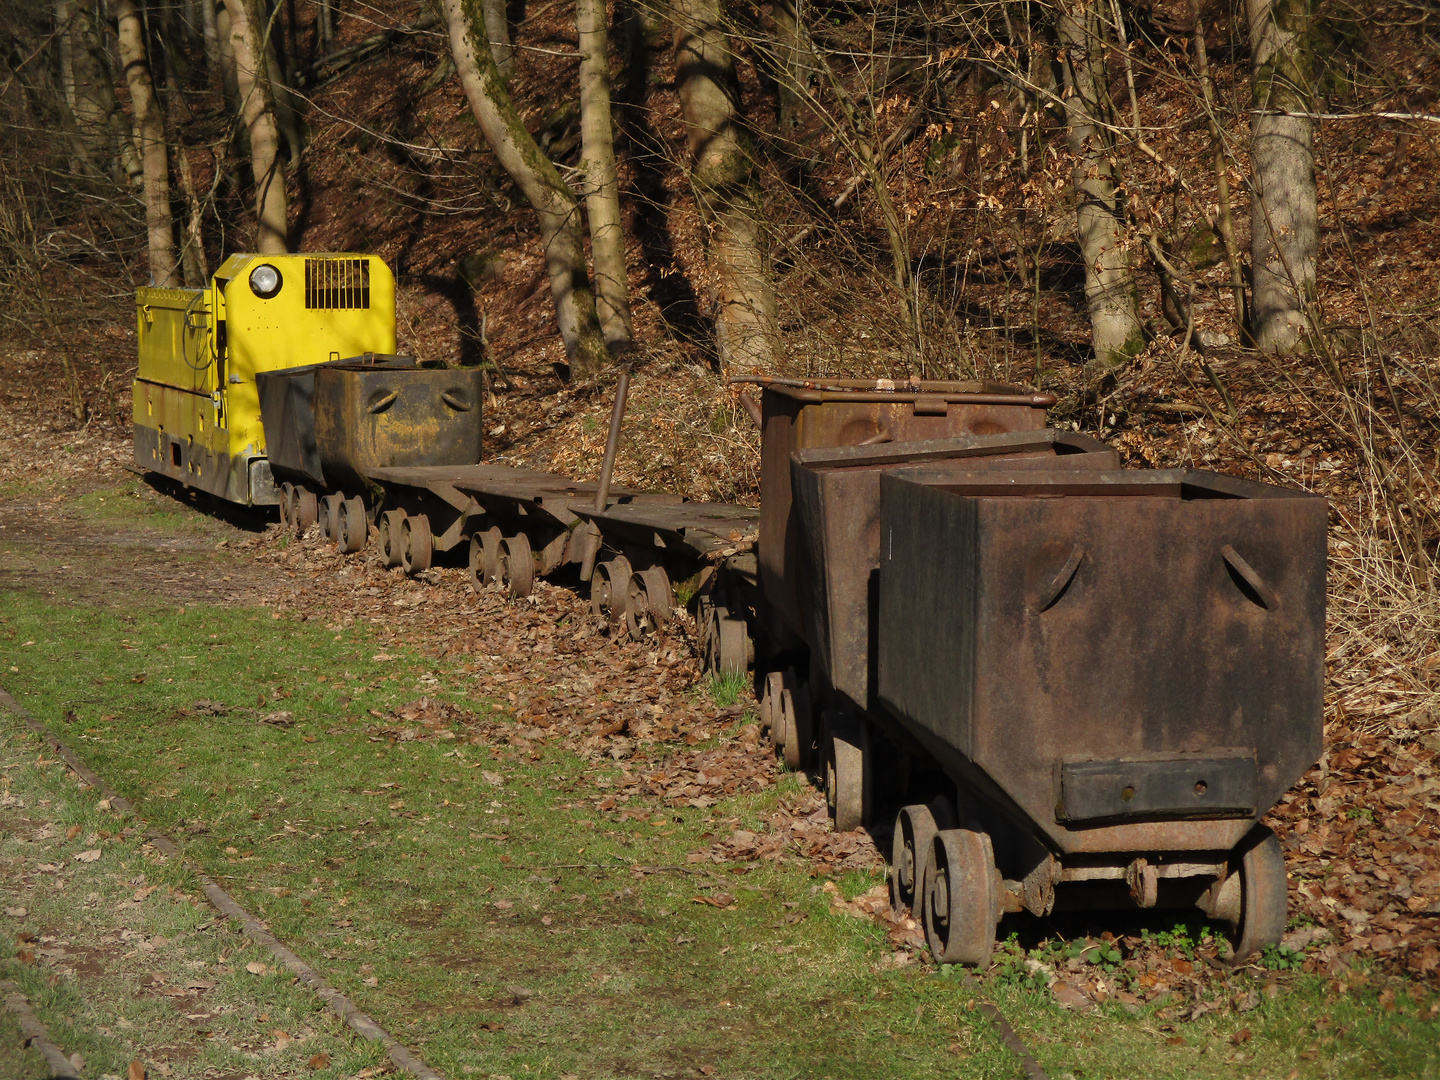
[1119, 672]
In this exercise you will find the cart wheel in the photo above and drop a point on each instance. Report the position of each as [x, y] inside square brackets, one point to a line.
[475, 567]
[517, 564]
[416, 544]
[490, 541]
[770, 705]
[848, 768]
[647, 601]
[608, 593]
[392, 537]
[726, 648]
[329, 511]
[915, 829]
[354, 527]
[960, 897]
[794, 714]
[305, 510]
[287, 493]
[704, 618]
[1262, 893]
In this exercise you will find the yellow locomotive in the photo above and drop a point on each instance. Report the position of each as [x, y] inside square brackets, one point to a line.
[196, 404]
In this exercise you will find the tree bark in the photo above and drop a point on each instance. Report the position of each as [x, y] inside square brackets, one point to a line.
[722, 176]
[602, 189]
[102, 124]
[258, 114]
[1099, 218]
[790, 69]
[150, 126]
[536, 176]
[497, 31]
[1284, 225]
[210, 28]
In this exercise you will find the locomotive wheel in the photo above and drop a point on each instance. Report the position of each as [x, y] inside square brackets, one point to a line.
[770, 704]
[354, 527]
[793, 712]
[330, 516]
[915, 829]
[848, 768]
[704, 623]
[725, 646]
[304, 510]
[1262, 893]
[287, 493]
[608, 593]
[517, 565]
[416, 544]
[392, 537]
[647, 601]
[960, 897]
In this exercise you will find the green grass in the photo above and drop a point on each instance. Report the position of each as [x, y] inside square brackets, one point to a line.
[478, 901]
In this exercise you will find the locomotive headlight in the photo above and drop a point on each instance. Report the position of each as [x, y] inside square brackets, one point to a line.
[265, 281]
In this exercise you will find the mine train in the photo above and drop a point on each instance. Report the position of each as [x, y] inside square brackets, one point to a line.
[1067, 684]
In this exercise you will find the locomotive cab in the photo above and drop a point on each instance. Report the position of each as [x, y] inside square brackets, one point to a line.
[196, 405]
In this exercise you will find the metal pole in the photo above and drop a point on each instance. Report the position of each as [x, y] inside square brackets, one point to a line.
[607, 467]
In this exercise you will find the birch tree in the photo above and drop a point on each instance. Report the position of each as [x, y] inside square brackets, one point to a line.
[535, 174]
[602, 189]
[1110, 295]
[722, 177]
[1284, 226]
[257, 112]
[150, 127]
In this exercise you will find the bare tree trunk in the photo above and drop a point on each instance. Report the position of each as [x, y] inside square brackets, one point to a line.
[209, 22]
[1109, 279]
[497, 30]
[67, 50]
[791, 73]
[325, 28]
[534, 173]
[101, 123]
[258, 115]
[602, 190]
[1284, 226]
[722, 176]
[159, 224]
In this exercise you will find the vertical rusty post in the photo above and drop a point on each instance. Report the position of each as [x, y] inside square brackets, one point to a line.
[607, 467]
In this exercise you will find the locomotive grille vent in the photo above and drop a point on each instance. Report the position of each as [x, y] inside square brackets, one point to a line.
[337, 283]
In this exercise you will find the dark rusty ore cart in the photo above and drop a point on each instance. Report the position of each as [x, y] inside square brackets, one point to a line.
[1118, 673]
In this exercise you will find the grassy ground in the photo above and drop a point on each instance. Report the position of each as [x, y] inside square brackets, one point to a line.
[484, 902]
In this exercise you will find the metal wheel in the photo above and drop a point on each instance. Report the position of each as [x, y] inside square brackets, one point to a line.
[1262, 893]
[960, 893]
[517, 565]
[915, 829]
[416, 544]
[392, 537]
[769, 704]
[704, 616]
[330, 516]
[475, 566]
[354, 528]
[726, 648]
[287, 493]
[793, 714]
[848, 773]
[305, 510]
[648, 601]
[609, 590]
[490, 541]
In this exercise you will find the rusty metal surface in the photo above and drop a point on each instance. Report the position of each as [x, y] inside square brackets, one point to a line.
[334, 424]
[854, 413]
[836, 495]
[696, 529]
[1104, 616]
